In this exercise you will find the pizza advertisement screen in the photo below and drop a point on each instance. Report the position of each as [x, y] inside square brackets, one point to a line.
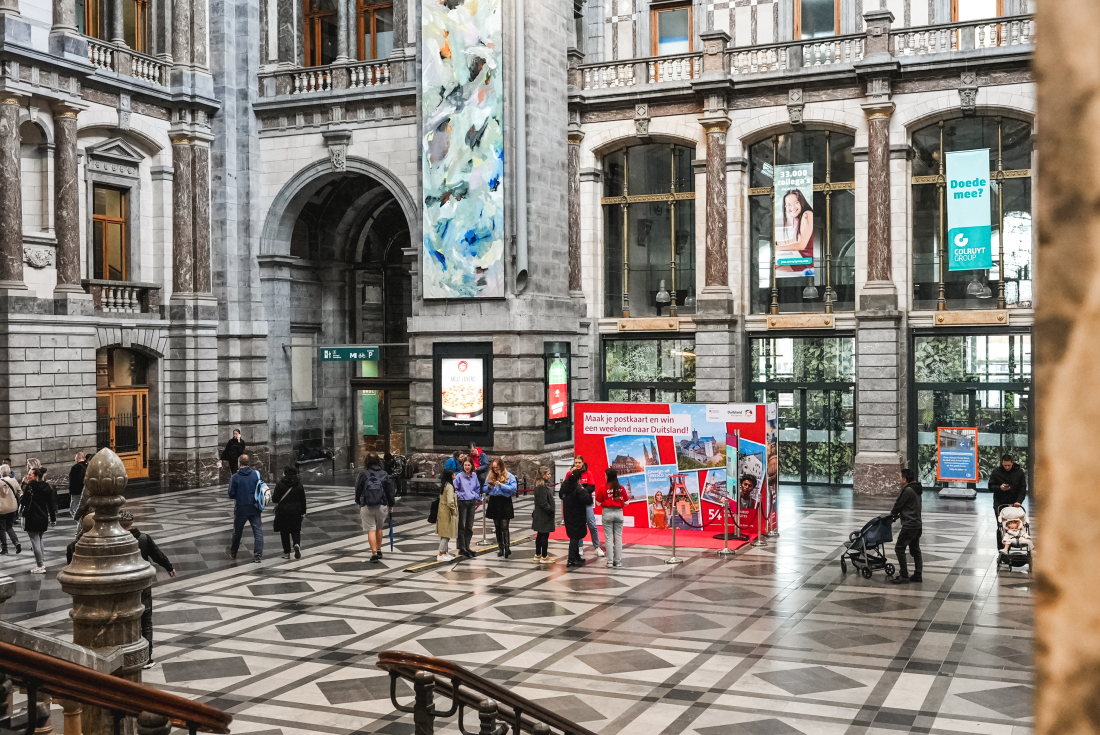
[462, 389]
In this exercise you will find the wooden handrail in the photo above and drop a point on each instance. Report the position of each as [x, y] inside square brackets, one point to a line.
[70, 681]
[450, 677]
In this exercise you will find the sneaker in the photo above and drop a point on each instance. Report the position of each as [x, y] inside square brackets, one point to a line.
[297, 551]
[599, 553]
[379, 553]
[149, 664]
[257, 558]
[3, 552]
[375, 558]
[609, 565]
[618, 564]
[444, 557]
[38, 570]
[286, 556]
[901, 580]
[548, 559]
[230, 553]
[537, 559]
[18, 549]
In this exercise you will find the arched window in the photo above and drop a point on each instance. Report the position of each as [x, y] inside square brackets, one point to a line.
[1008, 281]
[649, 231]
[802, 223]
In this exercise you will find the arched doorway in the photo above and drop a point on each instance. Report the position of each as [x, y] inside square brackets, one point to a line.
[123, 378]
[347, 281]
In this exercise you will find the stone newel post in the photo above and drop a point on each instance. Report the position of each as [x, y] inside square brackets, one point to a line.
[105, 579]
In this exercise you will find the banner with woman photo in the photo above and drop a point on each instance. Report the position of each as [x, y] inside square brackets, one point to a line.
[794, 220]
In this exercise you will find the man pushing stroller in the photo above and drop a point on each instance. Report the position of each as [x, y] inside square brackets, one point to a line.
[907, 508]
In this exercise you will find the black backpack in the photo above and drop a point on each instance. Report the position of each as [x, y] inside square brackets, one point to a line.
[372, 488]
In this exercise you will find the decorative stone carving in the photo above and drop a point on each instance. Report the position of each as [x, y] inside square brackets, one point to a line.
[114, 156]
[38, 257]
[641, 119]
[795, 105]
[337, 142]
[124, 112]
[878, 89]
[968, 92]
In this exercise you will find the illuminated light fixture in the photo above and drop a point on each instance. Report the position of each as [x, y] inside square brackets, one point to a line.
[663, 296]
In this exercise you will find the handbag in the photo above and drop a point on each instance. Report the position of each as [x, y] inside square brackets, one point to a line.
[433, 512]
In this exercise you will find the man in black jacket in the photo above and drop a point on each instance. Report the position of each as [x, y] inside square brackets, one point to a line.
[76, 482]
[1009, 485]
[907, 508]
[149, 551]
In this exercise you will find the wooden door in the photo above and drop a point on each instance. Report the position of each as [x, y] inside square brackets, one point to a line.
[122, 424]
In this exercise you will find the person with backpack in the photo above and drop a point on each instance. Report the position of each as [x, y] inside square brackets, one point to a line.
[149, 552]
[446, 515]
[907, 508]
[502, 486]
[248, 506]
[290, 507]
[467, 492]
[39, 504]
[9, 509]
[374, 496]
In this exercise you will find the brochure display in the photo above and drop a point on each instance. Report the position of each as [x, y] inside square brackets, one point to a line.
[679, 462]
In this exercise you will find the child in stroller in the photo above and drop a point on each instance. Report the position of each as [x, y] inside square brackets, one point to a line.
[1013, 537]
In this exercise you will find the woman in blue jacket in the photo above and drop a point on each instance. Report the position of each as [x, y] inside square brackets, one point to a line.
[501, 485]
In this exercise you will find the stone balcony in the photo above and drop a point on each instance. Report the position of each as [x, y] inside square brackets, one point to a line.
[124, 298]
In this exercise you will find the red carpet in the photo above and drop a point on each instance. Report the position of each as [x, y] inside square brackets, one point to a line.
[651, 537]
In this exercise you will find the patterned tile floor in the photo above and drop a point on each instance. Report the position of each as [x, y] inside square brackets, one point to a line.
[774, 641]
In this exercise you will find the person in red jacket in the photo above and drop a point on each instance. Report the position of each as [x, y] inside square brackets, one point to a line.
[612, 498]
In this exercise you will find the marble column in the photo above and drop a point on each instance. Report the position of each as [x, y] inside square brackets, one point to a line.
[9, 7]
[353, 30]
[879, 261]
[66, 200]
[64, 16]
[117, 33]
[200, 212]
[717, 251]
[341, 32]
[181, 32]
[574, 163]
[198, 33]
[11, 197]
[182, 228]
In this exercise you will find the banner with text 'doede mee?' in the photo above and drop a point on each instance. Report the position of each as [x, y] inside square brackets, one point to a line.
[969, 234]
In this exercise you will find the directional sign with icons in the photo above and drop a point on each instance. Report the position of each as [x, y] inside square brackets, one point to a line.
[969, 234]
[347, 353]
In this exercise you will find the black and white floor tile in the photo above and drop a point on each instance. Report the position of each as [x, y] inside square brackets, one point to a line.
[774, 641]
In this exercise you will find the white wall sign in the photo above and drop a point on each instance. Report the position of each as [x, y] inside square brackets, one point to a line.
[637, 423]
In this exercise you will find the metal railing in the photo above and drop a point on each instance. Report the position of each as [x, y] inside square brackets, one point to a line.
[498, 709]
[43, 676]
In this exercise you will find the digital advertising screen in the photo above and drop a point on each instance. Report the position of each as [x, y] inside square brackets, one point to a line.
[462, 389]
[557, 384]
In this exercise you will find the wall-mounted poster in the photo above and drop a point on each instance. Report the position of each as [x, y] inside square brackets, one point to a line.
[462, 389]
[956, 454]
[794, 220]
[462, 164]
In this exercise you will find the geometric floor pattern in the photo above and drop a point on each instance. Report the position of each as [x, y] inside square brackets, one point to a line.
[775, 640]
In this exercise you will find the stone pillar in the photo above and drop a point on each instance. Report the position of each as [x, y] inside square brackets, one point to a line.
[198, 33]
[353, 30]
[341, 32]
[181, 32]
[200, 213]
[574, 163]
[9, 8]
[64, 15]
[117, 33]
[183, 254]
[717, 257]
[105, 579]
[66, 201]
[11, 197]
[879, 260]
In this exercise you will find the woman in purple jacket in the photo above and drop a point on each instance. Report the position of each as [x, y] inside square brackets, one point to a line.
[468, 492]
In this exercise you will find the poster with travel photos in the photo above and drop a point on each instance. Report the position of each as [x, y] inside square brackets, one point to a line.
[634, 486]
[712, 495]
[656, 487]
[750, 463]
[688, 515]
[630, 454]
[704, 448]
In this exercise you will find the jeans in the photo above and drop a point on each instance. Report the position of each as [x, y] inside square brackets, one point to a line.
[613, 534]
[467, 510]
[147, 618]
[254, 520]
[444, 544]
[909, 537]
[593, 529]
[36, 544]
[542, 544]
[7, 530]
[74, 503]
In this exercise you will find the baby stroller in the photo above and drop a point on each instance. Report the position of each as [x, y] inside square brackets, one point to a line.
[1018, 554]
[864, 548]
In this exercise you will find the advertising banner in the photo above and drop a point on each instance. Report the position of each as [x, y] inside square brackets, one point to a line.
[794, 220]
[956, 454]
[771, 476]
[557, 381]
[462, 390]
[677, 463]
[969, 233]
[462, 159]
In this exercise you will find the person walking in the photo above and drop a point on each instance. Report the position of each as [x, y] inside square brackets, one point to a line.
[39, 504]
[149, 552]
[501, 485]
[234, 450]
[76, 482]
[589, 484]
[907, 508]
[446, 517]
[574, 498]
[10, 491]
[290, 507]
[1009, 485]
[246, 509]
[543, 522]
[467, 493]
[374, 496]
[612, 499]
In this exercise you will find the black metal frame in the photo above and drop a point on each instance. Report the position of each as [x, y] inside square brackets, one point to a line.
[463, 433]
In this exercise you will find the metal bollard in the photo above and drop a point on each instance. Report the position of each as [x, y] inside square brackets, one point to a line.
[484, 521]
[674, 559]
[726, 550]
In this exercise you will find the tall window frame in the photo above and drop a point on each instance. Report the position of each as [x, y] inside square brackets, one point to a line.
[313, 22]
[136, 26]
[955, 15]
[367, 12]
[90, 18]
[798, 25]
[655, 25]
[106, 223]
